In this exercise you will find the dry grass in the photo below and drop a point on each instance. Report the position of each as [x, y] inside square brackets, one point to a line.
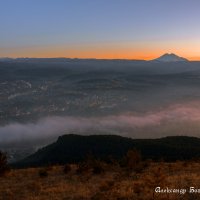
[113, 183]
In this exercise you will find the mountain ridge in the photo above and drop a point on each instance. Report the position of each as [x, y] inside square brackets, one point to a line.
[167, 57]
[75, 148]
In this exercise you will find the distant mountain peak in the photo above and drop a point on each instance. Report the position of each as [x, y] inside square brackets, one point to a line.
[170, 57]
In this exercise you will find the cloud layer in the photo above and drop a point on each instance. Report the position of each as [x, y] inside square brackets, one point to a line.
[134, 123]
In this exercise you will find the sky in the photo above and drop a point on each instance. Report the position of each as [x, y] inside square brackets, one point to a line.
[127, 29]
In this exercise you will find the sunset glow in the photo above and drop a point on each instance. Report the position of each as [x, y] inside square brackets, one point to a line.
[100, 52]
[100, 29]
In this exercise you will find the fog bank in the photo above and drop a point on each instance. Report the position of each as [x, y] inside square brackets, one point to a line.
[172, 120]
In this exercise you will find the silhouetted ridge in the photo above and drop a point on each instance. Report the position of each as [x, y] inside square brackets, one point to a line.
[75, 148]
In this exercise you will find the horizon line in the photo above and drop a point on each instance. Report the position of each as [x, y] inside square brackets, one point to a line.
[144, 58]
[90, 58]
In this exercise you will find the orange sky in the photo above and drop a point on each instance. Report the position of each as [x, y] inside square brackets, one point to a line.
[100, 29]
[146, 50]
[104, 54]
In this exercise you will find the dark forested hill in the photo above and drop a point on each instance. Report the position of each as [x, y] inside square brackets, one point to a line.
[75, 148]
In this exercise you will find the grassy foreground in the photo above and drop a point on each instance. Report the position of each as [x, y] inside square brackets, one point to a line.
[109, 181]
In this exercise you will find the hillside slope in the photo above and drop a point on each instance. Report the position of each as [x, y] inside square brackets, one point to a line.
[75, 148]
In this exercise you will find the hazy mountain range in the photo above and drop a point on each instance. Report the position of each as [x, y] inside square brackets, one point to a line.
[168, 57]
[41, 99]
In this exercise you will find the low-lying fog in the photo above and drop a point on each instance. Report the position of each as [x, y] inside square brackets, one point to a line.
[178, 119]
[134, 99]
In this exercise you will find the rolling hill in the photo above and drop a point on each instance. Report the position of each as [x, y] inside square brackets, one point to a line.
[75, 148]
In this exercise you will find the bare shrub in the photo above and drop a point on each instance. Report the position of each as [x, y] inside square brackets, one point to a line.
[43, 173]
[97, 166]
[4, 168]
[82, 167]
[67, 168]
[98, 169]
[133, 161]
[91, 165]
[106, 185]
[34, 186]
